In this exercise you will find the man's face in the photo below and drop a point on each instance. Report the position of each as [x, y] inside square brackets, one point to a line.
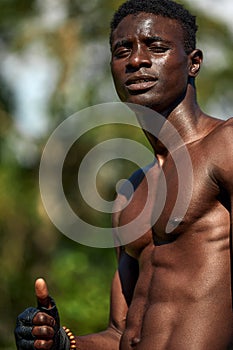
[149, 64]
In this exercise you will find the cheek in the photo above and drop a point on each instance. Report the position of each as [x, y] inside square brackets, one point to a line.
[175, 72]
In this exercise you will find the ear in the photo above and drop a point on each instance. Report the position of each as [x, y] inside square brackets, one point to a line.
[195, 61]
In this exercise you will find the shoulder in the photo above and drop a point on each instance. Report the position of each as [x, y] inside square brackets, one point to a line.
[227, 130]
[227, 125]
[222, 152]
[224, 141]
[224, 128]
[220, 138]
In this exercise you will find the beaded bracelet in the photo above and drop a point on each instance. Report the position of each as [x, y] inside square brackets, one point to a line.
[71, 338]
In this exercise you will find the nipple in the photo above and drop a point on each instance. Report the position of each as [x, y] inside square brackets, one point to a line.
[135, 341]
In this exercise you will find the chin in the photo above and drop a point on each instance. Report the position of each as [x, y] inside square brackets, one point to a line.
[143, 101]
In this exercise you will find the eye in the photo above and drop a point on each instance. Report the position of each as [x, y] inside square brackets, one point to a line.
[121, 52]
[158, 48]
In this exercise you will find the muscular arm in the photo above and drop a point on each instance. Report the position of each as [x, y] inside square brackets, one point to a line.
[223, 175]
[121, 293]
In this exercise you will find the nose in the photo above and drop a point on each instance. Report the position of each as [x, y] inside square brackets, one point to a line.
[139, 58]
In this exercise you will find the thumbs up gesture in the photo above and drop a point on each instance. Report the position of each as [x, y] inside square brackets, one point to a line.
[39, 328]
[42, 293]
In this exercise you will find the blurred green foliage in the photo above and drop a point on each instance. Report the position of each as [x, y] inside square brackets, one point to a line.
[76, 44]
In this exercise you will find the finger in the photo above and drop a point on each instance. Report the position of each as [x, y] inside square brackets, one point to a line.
[43, 319]
[43, 332]
[43, 344]
[24, 333]
[42, 293]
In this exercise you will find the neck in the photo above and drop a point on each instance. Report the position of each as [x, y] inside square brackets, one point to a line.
[181, 125]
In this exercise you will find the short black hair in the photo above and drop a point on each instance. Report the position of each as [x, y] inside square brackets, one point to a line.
[165, 8]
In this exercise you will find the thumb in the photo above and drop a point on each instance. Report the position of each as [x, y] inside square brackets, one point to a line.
[42, 293]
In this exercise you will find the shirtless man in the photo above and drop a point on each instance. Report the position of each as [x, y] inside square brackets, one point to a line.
[172, 290]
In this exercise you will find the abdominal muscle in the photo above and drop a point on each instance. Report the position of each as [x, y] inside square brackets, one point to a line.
[182, 300]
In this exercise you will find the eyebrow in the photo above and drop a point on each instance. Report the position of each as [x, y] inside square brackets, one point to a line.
[157, 39]
[120, 43]
[149, 39]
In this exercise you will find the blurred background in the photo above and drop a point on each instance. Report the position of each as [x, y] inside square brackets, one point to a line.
[54, 61]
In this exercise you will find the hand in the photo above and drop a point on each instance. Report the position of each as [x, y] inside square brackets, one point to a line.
[38, 328]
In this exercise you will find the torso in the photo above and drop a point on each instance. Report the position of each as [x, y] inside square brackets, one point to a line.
[182, 298]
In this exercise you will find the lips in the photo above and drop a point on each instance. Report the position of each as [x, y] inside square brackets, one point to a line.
[139, 83]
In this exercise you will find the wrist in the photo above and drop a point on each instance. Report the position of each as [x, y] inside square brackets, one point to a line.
[71, 337]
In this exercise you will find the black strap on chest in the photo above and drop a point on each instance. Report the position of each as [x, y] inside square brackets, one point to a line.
[135, 180]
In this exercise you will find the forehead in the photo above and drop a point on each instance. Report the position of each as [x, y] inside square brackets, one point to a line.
[148, 25]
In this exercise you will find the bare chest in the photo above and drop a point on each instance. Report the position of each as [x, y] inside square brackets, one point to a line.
[179, 197]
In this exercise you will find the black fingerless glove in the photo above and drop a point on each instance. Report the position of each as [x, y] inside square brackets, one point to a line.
[61, 341]
[24, 324]
[23, 331]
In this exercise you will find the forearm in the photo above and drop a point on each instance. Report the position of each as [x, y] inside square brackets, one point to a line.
[109, 340]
